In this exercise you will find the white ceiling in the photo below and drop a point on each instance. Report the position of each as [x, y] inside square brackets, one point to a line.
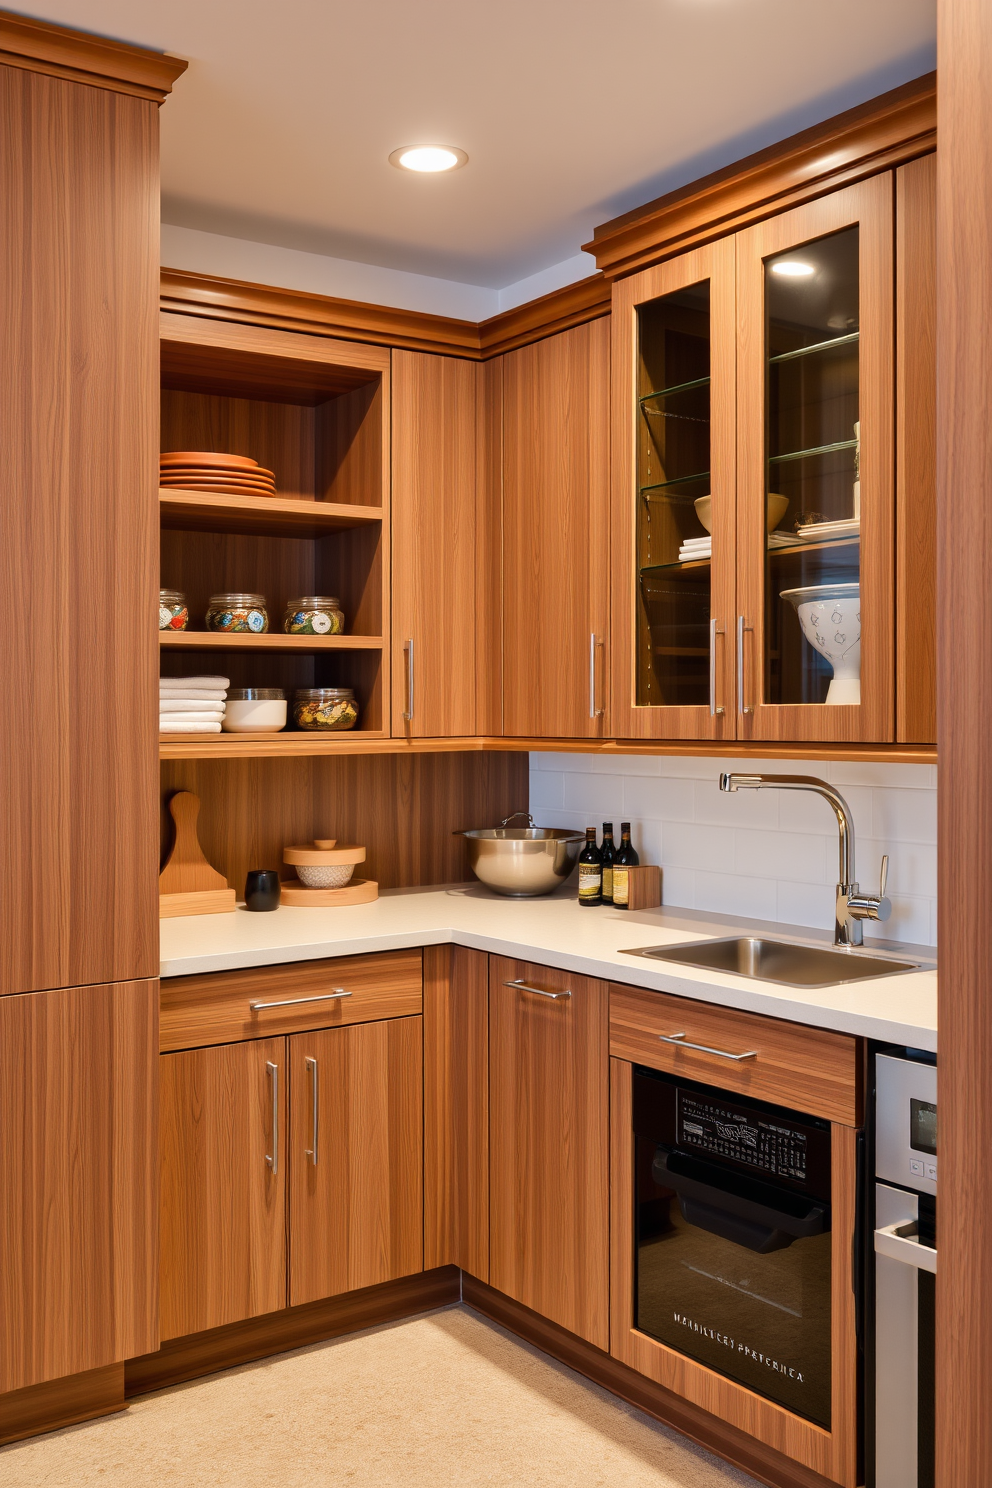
[570, 113]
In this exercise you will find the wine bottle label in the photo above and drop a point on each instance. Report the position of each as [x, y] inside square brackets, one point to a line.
[608, 882]
[590, 880]
[621, 885]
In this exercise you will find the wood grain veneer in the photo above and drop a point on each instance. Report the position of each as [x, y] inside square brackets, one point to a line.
[456, 1108]
[61, 1402]
[214, 1008]
[78, 1155]
[356, 1216]
[833, 1454]
[556, 538]
[78, 532]
[573, 305]
[809, 1069]
[265, 516]
[79, 56]
[223, 1208]
[549, 1177]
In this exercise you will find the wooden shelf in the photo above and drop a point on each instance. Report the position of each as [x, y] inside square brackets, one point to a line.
[211, 640]
[260, 516]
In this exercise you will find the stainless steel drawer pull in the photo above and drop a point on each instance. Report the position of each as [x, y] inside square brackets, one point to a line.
[408, 710]
[540, 991]
[311, 1151]
[901, 1242]
[715, 631]
[683, 1043]
[272, 1158]
[257, 1007]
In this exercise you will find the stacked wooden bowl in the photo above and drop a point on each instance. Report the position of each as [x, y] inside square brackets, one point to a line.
[223, 475]
[325, 869]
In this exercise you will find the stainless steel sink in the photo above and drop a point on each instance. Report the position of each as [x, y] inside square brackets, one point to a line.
[778, 961]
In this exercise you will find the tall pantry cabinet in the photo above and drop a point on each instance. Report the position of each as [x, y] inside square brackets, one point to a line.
[78, 773]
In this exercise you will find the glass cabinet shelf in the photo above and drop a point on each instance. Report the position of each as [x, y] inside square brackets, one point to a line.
[821, 449]
[679, 387]
[790, 550]
[682, 480]
[803, 351]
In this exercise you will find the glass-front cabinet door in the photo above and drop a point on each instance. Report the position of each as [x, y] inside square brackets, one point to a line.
[674, 538]
[813, 633]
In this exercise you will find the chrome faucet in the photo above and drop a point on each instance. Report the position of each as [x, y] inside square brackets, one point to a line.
[852, 907]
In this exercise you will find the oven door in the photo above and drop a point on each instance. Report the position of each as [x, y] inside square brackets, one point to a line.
[735, 1274]
[905, 1276]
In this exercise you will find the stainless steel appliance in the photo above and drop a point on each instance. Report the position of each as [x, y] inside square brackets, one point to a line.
[733, 1237]
[905, 1269]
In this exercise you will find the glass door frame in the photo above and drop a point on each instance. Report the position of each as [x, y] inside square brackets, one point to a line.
[715, 263]
[869, 205]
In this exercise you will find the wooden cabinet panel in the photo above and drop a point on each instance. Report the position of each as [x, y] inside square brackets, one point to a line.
[809, 1069]
[78, 532]
[549, 1126]
[456, 1109]
[223, 1119]
[443, 542]
[216, 1008]
[556, 535]
[356, 1147]
[78, 1231]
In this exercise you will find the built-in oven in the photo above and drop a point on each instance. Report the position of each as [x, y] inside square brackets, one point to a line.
[733, 1238]
[905, 1242]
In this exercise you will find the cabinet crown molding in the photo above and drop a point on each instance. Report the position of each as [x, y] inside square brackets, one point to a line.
[59, 51]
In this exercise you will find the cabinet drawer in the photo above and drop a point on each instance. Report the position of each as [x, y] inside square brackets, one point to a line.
[808, 1069]
[216, 1008]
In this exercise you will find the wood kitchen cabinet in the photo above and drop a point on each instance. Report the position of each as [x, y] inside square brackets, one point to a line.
[556, 535]
[549, 1141]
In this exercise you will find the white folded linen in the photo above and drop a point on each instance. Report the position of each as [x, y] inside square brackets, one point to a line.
[192, 715]
[206, 695]
[169, 726]
[198, 683]
[202, 704]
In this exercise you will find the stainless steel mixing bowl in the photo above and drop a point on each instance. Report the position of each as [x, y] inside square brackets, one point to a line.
[522, 862]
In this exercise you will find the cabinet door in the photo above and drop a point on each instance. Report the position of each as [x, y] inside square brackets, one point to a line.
[78, 1232]
[445, 568]
[674, 499]
[223, 1184]
[549, 1138]
[356, 1142]
[556, 535]
[815, 627]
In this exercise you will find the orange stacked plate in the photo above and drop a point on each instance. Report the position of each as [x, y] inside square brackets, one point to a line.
[224, 475]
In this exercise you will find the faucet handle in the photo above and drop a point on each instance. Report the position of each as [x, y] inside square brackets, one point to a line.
[871, 906]
[885, 874]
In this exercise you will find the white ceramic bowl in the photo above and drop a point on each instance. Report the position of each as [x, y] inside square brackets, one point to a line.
[775, 510]
[830, 616]
[329, 876]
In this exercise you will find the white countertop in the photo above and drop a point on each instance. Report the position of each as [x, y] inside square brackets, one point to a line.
[900, 1009]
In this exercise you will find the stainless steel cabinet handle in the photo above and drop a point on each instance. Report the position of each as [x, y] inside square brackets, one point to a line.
[683, 1043]
[408, 711]
[272, 1158]
[742, 629]
[900, 1242]
[295, 1001]
[594, 712]
[714, 632]
[311, 1151]
[540, 991]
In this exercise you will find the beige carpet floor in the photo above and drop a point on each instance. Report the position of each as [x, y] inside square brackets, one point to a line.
[447, 1400]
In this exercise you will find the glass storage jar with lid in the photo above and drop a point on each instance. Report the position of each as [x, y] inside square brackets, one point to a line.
[325, 708]
[314, 614]
[172, 611]
[238, 612]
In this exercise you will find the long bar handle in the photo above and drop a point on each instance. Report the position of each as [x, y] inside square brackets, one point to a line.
[742, 629]
[408, 711]
[311, 1151]
[715, 630]
[522, 986]
[257, 1007]
[901, 1242]
[594, 643]
[683, 1043]
[272, 1158]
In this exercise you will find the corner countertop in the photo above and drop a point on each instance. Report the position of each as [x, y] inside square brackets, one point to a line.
[899, 1009]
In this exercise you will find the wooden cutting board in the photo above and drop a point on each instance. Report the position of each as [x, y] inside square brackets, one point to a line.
[187, 884]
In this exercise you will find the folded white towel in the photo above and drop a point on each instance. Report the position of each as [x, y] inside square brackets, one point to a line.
[202, 704]
[169, 726]
[192, 715]
[197, 683]
[198, 695]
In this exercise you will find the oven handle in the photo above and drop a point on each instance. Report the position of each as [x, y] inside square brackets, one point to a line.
[901, 1242]
[747, 1222]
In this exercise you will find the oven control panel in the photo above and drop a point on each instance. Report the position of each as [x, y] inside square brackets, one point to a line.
[762, 1143]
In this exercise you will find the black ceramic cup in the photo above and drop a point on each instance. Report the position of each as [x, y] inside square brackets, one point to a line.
[262, 890]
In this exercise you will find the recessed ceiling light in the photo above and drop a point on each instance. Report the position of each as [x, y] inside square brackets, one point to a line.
[428, 158]
[791, 268]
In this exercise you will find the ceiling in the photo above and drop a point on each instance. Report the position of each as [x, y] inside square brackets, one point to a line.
[571, 113]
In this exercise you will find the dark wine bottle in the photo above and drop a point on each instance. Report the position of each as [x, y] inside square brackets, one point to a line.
[590, 871]
[626, 858]
[609, 852]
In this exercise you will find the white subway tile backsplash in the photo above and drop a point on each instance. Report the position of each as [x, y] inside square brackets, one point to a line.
[763, 854]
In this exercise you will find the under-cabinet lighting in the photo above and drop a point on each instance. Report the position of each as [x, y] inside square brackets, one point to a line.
[428, 158]
[791, 268]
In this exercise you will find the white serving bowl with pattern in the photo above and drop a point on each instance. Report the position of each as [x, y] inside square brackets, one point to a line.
[830, 617]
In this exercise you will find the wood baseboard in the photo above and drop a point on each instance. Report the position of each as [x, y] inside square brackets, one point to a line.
[61, 1402]
[293, 1327]
[725, 1441]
